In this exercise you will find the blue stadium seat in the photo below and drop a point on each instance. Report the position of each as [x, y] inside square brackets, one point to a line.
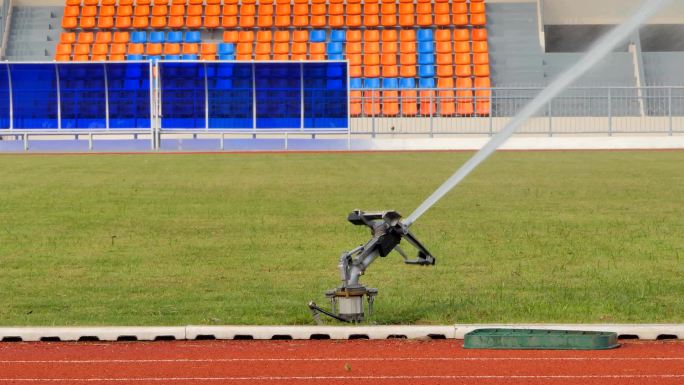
[426, 71]
[157, 37]
[390, 83]
[138, 37]
[355, 83]
[134, 57]
[226, 57]
[426, 47]
[338, 36]
[317, 36]
[335, 48]
[371, 83]
[175, 37]
[426, 58]
[172, 57]
[226, 49]
[223, 83]
[425, 35]
[407, 83]
[335, 71]
[336, 57]
[426, 83]
[191, 56]
[193, 37]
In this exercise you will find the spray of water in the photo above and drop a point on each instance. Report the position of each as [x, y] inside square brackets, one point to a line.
[602, 48]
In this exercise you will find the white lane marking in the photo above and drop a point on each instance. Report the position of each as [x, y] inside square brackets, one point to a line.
[319, 378]
[333, 359]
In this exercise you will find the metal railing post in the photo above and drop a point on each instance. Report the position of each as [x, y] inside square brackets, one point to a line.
[610, 112]
[550, 112]
[491, 112]
[106, 84]
[373, 112]
[254, 111]
[155, 94]
[669, 111]
[59, 98]
[301, 97]
[206, 99]
[11, 97]
[432, 113]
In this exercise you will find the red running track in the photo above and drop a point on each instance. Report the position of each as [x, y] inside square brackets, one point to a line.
[335, 363]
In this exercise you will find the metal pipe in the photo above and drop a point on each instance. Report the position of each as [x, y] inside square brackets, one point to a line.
[106, 84]
[206, 99]
[59, 98]
[301, 96]
[11, 97]
[669, 110]
[254, 111]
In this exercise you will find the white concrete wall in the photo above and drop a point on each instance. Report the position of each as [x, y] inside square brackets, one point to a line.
[605, 12]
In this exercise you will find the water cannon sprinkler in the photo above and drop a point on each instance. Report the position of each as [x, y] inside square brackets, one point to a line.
[387, 228]
[387, 231]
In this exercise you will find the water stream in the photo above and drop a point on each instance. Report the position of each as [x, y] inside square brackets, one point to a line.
[600, 50]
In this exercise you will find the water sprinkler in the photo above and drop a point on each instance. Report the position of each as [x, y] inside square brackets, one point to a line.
[387, 228]
[387, 231]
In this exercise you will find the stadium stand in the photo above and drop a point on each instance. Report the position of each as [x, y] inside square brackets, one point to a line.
[390, 44]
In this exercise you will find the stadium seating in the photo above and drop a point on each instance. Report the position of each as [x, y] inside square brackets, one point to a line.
[398, 50]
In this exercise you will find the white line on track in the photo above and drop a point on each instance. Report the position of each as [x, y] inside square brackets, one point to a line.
[321, 378]
[333, 359]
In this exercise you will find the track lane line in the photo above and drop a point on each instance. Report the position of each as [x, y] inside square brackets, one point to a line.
[354, 377]
[335, 359]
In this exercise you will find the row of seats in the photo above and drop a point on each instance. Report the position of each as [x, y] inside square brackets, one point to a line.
[211, 17]
[259, 2]
[212, 13]
[410, 102]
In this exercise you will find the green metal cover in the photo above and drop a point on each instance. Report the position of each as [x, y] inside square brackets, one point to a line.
[540, 339]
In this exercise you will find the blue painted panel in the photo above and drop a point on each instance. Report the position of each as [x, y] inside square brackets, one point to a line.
[4, 98]
[129, 95]
[325, 96]
[230, 95]
[183, 95]
[278, 95]
[34, 94]
[82, 95]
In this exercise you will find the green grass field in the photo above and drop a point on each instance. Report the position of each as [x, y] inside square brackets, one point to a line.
[251, 238]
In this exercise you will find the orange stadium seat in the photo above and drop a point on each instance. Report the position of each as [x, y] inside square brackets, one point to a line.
[230, 36]
[371, 103]
[141, 22]
[355, 108]
[190, 49]
[121, 37]
[103, 37]
[63, 49]
[193, 22]
[67, 38]
[153, 49]
[447, 106]
[123, 22]
[86, 38]
[117, 49]
[409, 103]
[479, 34]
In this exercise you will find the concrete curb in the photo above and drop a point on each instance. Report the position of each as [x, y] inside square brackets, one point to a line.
[18, 334]
[92, 333]
[320, 332]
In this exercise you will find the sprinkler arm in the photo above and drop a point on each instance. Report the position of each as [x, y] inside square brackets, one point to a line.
[387, 231]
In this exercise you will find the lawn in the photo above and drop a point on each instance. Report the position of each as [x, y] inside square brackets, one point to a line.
[251, 238]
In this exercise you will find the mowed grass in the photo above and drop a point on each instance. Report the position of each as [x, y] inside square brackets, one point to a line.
[251, 238]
